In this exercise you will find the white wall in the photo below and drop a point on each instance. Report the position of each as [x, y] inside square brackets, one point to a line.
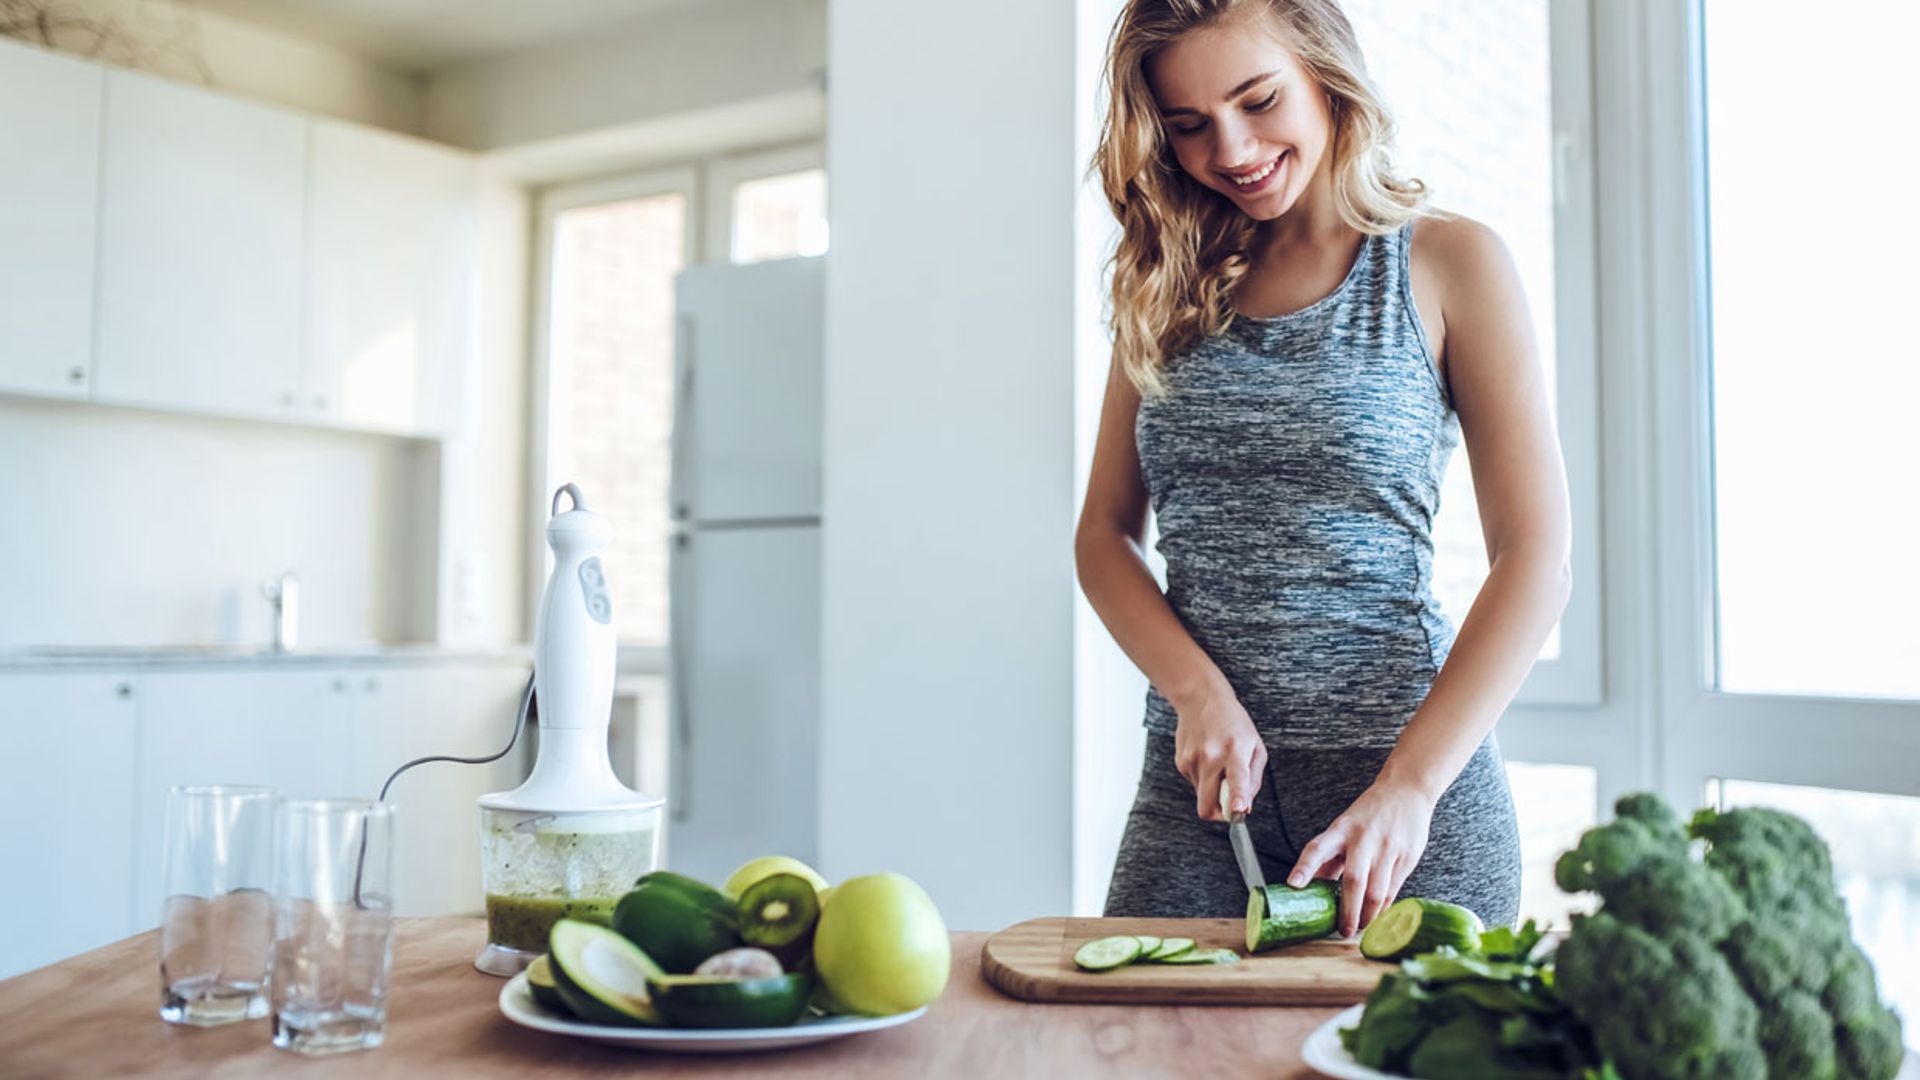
[685, 60]
[1109, 692]
[183, 42]
[947, 720]
[134, 528]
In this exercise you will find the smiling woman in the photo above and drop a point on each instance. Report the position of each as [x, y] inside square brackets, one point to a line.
[1300, 344]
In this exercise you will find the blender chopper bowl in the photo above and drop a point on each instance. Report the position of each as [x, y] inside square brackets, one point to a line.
[572, 840]
[538, 868]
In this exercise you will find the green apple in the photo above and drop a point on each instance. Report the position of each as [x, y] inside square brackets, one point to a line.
[766, 866]
[881, 946]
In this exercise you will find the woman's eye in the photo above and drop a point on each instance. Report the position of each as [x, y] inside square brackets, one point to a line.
[1261, 106]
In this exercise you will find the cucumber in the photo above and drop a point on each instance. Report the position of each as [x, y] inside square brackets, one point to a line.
[1204, 956]
[1169, 948]
[1281, 915]
[1412, 926]
[1148, 943]
[1107, 953]
[601, 975]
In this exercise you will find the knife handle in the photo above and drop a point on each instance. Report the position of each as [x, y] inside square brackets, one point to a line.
[1226, 812]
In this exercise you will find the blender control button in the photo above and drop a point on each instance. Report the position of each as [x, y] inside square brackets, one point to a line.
[590, 574]
[599, 607]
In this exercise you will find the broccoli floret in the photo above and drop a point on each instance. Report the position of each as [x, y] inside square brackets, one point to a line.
[1737, 964]
[1658, 1009]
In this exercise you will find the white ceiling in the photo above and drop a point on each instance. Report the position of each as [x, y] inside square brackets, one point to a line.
[420, 35]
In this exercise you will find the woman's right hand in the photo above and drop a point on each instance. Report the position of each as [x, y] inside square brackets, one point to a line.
[1214, 740]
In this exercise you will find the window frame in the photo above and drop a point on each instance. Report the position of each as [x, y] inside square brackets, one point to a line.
[1662, 723]
[546, 389]
[723, 174]
[1863, 744]
[707, 185]
[1575, 678]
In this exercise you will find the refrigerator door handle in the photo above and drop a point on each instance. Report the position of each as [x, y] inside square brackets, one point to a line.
[679, 689]
[680, 445]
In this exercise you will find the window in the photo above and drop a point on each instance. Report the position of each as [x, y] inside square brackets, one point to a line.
[1815, 369]
[1492, 148]
[1555, 803]
[612, 255]
[1875, 841]
[779, 217]
[608, 255]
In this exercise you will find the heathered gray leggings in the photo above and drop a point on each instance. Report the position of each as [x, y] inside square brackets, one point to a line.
[1173, 864]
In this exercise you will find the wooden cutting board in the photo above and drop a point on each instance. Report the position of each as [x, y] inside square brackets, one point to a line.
[1034, 962]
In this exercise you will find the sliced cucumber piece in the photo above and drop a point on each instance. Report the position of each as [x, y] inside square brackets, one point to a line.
[1148, 943]
[540, 984]
[1414, 925]
[1282, 915]
[1170, 947]
[601, 975]
[1107, 953]
[1204, 956]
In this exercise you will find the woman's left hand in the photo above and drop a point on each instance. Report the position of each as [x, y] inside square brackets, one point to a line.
[1371, 848]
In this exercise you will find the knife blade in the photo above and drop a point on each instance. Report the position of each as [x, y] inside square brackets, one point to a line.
[1242, 842]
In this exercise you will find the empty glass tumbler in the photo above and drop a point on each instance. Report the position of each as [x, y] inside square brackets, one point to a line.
[216, 924]
[333, 925]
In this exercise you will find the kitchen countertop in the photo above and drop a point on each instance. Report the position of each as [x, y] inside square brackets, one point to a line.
[95, 1015]
[121, 657]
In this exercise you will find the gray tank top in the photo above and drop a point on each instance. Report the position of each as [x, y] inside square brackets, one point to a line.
[1294, 468]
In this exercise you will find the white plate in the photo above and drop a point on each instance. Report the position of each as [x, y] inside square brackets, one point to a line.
[517, 1005]
[1324, 1054]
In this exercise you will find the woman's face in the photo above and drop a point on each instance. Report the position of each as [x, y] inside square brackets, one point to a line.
[1243, 116]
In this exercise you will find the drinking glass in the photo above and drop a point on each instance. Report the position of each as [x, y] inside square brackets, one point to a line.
[333, 925]
[216, 924]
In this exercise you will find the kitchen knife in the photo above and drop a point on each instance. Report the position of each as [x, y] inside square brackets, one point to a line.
[1242, 841]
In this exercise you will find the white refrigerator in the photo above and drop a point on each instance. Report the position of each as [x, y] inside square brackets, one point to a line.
[744, 605]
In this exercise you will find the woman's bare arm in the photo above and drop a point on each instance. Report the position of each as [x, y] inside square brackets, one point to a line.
[1520, 482]
[1216, 738]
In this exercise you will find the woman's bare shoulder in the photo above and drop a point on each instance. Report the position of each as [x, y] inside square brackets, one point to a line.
[1454, 244]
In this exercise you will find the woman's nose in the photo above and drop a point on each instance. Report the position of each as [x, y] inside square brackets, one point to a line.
[1234, 146]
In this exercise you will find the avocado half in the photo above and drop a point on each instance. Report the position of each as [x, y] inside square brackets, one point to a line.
[602, 977]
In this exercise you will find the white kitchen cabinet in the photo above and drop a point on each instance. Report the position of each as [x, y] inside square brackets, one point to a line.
[464, 710]
[389, 280]
[292, 728]
[67, 803]
[50, 127]
[202, 212]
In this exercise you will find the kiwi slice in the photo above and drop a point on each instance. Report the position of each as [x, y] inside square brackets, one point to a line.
[778, 912]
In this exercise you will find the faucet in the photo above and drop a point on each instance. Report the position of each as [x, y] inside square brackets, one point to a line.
[284, 592]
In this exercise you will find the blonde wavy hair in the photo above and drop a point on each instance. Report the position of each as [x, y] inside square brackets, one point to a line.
[1184, 247]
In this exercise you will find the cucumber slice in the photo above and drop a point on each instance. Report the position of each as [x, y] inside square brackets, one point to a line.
[1204, 956]
[1170, 947]
[1148, 943]
[541, 985]
[1414, 925]
[1281, 915]
[602, 976]
[1107, 953]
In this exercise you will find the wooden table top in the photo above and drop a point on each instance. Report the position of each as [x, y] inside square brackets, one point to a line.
[96, 1015]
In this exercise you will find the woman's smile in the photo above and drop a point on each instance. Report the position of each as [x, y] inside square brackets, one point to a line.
[1259, 178]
